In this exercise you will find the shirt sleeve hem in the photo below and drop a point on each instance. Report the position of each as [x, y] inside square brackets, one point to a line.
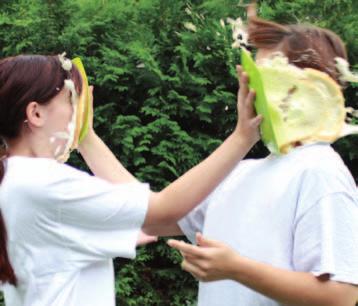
[144, 201]
[186, 229]
[338, 277]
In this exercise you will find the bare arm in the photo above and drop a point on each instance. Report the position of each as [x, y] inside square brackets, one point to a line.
[194, 186]
[102, 161]
[170, 229]
[172, 203]
[181, 196]
[213, 260]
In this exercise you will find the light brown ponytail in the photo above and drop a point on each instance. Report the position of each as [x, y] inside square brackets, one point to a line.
[7, 274]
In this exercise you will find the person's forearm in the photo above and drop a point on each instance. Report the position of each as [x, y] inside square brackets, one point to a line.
[195, 185]
[164, 230]
[289, 287]
[102, 161]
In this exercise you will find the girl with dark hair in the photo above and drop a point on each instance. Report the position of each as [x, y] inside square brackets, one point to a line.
[61, 227]
[285, 227]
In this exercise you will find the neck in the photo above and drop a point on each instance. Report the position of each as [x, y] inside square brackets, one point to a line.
[30, 147]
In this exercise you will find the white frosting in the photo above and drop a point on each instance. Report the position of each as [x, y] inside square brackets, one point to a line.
[188, 10]
[343, 68]
[349, 129]
[239, 33]
[190, 26]
[61, 135]
[307, 105]
[57, 151]
[66, 63]
[62, 152]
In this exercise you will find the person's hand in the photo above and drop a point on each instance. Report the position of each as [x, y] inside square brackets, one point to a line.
[210, 260]
[90, 133]
[252, 10]
[144, 239]
[248, 122]
[90, 111]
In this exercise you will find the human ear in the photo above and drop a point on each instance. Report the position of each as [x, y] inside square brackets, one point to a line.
[35, 114]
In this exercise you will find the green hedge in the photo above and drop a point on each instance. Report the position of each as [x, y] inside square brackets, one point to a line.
[165, 93]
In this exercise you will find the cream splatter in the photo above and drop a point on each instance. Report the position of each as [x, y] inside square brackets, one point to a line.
[63, 153]
[343, 67]
[306, 105]
[190, 26]
[239, 33]
[66, 63]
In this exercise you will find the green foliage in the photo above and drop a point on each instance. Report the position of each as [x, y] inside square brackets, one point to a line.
[165, 92]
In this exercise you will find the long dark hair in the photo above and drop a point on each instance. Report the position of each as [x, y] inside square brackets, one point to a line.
[23, 79]
[306, 46]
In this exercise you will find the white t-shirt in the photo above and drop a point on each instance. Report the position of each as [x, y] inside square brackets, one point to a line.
[297, 212]
[64, 227]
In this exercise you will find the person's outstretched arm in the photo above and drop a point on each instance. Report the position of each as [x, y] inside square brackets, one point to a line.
[100, 159]
[102, 162]
[213, 260]
[181, 196]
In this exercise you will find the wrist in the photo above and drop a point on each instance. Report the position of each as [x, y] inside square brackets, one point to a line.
[243, 140]
[240, 264]
[88, 141]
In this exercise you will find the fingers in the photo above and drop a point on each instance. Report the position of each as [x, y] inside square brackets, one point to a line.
[246, 96]
[248, 122]
[90, 93]
[251, 10]
[188, 257]
[90, 98]
[192, 269]
[143, 238]
[90, 111]
[147, 240]
[257, 121]
[186, 248]
[249, 104]
[243, 85]
[205, 242]
[199, 239]
[238, 71]
[201, 269]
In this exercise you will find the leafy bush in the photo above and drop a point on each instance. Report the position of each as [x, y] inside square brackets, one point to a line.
[165, 92]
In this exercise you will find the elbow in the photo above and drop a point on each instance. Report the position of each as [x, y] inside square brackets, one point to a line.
[159, 212]
[168, 212]
[148, 230]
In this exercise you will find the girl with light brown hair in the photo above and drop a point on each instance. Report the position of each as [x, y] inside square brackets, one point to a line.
[285, 227]
[60, 227]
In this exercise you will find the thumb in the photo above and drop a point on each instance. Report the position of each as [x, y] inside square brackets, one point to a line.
[257, 121]
[144, 239]
[251, 10]
[205, 242]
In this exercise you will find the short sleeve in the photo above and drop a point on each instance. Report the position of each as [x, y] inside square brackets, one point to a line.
[92, 218]
[193, 222]
[326, 238]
